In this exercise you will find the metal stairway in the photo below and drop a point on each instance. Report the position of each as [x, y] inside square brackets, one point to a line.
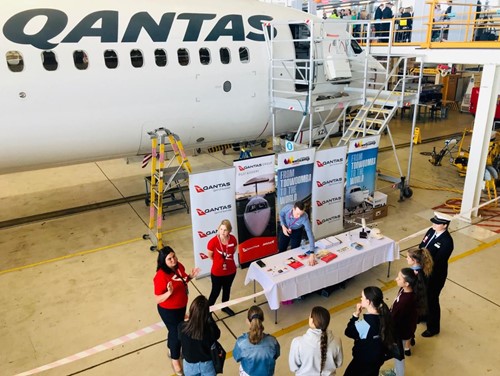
[380, 106]
[374, 116]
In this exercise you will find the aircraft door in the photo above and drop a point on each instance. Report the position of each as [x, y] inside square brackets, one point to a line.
[302, 48]
[334, 52]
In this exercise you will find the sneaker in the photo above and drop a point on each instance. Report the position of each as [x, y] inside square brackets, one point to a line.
[229, 311]
[388, 372]
[408, 352]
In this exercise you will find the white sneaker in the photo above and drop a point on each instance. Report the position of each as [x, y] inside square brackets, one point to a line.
[388, 372]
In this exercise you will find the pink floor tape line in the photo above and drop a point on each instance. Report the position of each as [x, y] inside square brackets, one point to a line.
[96, 349]
[123, 339]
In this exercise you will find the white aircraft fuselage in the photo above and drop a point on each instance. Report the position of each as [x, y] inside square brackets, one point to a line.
[84, 81]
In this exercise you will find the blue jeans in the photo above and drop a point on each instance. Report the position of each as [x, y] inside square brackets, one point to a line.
[199, 369]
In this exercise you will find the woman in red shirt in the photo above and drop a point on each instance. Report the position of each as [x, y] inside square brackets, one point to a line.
[171, 292]
[221, 249]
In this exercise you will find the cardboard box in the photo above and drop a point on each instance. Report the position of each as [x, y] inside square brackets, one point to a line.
[380, 212]
[379, 199]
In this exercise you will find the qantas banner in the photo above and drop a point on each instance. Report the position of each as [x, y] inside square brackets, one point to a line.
[212, 200]
[295, 171]
[328, 192]
[255, 207]
[361, 171]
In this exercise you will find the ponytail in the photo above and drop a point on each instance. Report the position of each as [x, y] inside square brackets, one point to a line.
[255, 318]
[427, 262]
[423, 258]
[415, 278]
[376, 297]
[321, 319]
[420, 291]
[386, 325]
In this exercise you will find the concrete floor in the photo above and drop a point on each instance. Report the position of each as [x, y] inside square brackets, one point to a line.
[71, 283]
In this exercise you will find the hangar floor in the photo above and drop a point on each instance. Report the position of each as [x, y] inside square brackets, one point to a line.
[79, 280]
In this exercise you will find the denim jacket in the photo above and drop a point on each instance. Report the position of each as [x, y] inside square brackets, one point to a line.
[259, 359]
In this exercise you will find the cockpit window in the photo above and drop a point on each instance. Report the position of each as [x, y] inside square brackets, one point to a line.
[183, 56]
[160, 57]
[80, 59]
[244, 56]
[225, 56]
[356, 47]
[136, 58]
[49, 60]
[15, 61]
[110, 59]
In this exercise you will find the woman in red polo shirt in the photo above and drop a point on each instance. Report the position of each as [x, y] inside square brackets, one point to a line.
[221, 249]
[171, 292]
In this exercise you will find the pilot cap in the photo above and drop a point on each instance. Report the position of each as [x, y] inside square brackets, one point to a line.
[441, 219]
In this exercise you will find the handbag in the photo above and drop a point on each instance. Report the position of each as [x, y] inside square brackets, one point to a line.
[395, 351]
[218, 356]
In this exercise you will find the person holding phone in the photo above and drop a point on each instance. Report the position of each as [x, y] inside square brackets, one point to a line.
[221, 249]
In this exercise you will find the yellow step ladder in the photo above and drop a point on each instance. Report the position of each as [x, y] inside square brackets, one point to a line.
[162, 178]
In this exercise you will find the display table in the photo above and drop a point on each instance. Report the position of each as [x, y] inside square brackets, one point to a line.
[292, 283]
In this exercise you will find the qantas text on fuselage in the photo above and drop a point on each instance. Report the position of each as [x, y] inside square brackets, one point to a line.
[230, 25]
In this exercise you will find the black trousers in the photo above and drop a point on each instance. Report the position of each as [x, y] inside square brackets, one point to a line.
[220, 283]
[361, 368]
[172, 318]
[294, 238]
[436, 284]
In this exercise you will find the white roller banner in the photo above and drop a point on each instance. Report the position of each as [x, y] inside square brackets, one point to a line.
[328, 192]
[212, 200]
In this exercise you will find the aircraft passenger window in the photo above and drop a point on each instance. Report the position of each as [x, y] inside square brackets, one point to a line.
[136, 58]
[160, 57]
[183, 56]
[15, 61]
[225, 56]
[204, 56]
[81, 59]
[49, 60]
[110, 59]
[244, 58]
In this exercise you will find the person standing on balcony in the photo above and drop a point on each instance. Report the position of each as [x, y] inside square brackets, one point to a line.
[378, 17]
[446, 16]
[386, 16]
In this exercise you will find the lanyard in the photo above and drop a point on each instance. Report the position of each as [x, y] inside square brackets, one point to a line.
[295, 219]
[183, 281]
[223, 249]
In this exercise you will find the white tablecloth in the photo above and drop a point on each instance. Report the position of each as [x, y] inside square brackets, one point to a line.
[306, 279]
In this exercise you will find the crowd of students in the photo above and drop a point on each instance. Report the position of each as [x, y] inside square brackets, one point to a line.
[485, 28]
[379, 332]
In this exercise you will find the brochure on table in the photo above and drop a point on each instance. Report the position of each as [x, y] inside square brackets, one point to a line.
[339, 246]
